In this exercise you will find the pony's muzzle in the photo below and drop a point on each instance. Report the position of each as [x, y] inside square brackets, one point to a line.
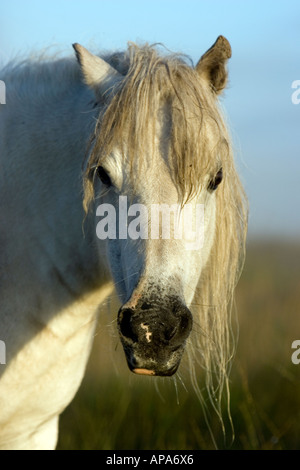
[154, 336]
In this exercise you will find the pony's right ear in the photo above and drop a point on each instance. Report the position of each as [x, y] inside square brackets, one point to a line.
[98, 74]
[212, 65]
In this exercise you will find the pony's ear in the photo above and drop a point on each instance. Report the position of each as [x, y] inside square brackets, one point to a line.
[212, 65]
[97, 73]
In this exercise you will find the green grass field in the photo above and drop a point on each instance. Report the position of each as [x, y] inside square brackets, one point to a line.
[116, 410]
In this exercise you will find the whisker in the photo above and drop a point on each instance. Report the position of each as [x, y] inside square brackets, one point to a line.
[156, 384]
[176, 388]
[181, 381]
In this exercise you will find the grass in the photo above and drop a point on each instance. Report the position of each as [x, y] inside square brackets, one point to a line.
[116, 410]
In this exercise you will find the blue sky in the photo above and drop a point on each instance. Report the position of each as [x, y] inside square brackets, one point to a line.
[265, 39]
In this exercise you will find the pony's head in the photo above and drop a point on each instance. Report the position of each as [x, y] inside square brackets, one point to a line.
[160, 143]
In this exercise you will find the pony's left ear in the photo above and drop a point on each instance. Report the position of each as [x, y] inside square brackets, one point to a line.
[98, 74]
[212, 65]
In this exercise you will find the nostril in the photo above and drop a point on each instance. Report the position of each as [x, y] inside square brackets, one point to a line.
[125, 324]
[145, 306]
[180, 328]
[170, 333]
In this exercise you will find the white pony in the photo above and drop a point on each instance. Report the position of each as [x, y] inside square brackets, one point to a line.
[139, 124]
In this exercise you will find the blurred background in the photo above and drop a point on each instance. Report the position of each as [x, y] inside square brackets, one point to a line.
[115, 409]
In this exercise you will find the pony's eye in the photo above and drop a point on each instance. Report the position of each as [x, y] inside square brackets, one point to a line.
[103, 176]
[214, 183]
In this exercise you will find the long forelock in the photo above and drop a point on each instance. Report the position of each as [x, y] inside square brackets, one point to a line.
[156, 84]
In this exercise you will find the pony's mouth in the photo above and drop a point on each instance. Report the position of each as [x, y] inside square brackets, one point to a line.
[143, 371]
[166, 373]
[144, 366]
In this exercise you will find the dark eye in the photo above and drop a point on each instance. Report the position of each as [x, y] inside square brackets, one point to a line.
[103, 176]
[214, 183]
